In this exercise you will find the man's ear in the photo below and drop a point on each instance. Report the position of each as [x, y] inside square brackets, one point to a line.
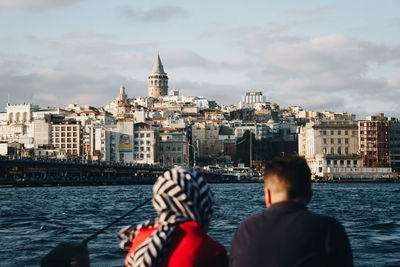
[267, 192]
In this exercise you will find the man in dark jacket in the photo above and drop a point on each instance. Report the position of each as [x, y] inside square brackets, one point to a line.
[287, 234]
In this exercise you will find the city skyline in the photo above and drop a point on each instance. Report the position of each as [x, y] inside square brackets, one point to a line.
[320, 55]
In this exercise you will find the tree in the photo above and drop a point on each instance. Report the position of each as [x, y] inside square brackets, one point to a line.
[262, 150]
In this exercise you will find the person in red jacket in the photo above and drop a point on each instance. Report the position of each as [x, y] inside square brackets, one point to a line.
[178, 236]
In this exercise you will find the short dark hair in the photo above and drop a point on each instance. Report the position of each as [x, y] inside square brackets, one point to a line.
[294, 172]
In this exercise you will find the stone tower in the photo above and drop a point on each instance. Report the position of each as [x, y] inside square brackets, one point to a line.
[158, 79]
[122, 97]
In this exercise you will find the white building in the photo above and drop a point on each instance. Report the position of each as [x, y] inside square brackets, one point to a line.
[16, 124]
[145, 144]
[67, 137]
[254, 100]
[330, 144]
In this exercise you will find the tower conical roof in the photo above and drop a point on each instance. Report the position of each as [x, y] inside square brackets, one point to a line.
[158, 67]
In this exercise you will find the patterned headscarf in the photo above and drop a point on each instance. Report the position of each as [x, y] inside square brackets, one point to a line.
[179, 195]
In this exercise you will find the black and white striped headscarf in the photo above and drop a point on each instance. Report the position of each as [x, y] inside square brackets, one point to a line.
[179, 195]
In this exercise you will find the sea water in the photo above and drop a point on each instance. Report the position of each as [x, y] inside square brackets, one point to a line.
[35, 220]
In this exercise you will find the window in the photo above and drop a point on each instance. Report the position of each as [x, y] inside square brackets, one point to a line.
[325, 141]
[348, 162]
[342, 162]
[346, 141]
[332, 152]
[339, 141]
[148, 135]
[355, 162]
[332, 142]
[339, 132]
[346, 132]
[328, 161]
[141, 135]
[346, 151]
[332, 133]
[339, 150]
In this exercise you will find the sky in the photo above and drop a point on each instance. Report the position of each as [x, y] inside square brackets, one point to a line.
[320, 55]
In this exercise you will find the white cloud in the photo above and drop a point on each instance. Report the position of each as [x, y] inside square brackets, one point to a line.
[325, 72]
[155, 14]
[312, 11]
[35, 4]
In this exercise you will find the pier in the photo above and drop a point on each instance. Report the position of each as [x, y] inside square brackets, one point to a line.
[30, 172]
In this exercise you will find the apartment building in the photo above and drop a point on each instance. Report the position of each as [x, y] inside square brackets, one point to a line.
[394, 145]
[330, 144]
[173, 147]
[205, 138]
[145, 143]
[67, 136]
[374, 135]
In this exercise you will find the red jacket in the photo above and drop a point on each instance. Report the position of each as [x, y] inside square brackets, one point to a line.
[190, 247]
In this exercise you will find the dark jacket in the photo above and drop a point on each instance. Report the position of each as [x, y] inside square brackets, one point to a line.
[190, 246]
[287, 234]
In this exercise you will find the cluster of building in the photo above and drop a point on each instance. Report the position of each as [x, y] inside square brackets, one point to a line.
[167, 128]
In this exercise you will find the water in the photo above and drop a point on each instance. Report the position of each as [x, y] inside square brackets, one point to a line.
[34, 220]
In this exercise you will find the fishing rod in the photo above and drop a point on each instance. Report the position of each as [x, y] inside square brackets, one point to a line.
[76, 253]
[86, 240]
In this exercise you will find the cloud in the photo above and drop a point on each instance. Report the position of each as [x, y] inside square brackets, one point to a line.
[155, 14]
[62, 85]
[35, 4]
[87, 34]
[312, 11]
[255, 39]
[85, 68]
[330, 72]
